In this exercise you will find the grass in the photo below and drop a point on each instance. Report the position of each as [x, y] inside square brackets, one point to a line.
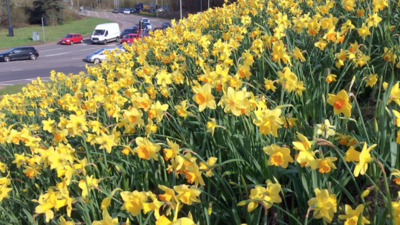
[23, 36]
[11, 89]
[164, 15]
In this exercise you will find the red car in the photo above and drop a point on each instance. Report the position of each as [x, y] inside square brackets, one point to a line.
[128, 38]
[71, 38]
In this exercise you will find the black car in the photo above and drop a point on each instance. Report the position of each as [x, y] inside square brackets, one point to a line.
[19, 53]
[115, 11]
[165, 25]
[121, 10]
[133, 11]
[128, 31]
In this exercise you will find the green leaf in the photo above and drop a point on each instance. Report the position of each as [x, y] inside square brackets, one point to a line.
[393, 153]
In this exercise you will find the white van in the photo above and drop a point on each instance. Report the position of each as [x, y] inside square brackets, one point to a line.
[105, 32]
[99, 55]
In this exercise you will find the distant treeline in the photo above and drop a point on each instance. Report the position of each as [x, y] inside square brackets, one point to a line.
[189, 5]
[24, 12]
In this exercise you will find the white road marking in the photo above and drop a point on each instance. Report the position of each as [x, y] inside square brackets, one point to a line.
[90, 48]
[51, 49]
[57, 54]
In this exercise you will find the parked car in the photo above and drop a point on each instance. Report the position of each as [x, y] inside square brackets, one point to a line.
[99, 55]
[19, 53]
[146, 33]
[133, 11]
[135, 29]
[121, 10]
[145, 20]
[71, 38]
[139, 7]
[115, 11]
[160, 10]
[165, 25]
[148, 25]
[127, 11]
[128, 38]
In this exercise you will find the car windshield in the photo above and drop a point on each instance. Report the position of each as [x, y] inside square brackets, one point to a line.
[98, 51]
[128, 30]
[10, 50]
[98, 32]
[68, 36]
[134, 30]
[165, 24]
[145, 20]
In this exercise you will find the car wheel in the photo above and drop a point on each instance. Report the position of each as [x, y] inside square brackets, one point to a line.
[6, 59]
[96, 61]
[32, 57]
[72, 42]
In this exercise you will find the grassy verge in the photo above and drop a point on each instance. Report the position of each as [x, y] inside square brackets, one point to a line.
[23, 36]
[11, 89]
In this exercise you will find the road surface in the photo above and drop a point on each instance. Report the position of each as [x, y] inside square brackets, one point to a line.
[63, 58]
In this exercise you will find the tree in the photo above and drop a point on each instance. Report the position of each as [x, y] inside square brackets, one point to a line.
[37, 12]
[54, 11]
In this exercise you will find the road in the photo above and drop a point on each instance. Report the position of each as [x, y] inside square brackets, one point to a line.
[63, 58]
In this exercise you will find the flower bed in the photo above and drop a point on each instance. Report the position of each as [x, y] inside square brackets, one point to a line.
[257, 112]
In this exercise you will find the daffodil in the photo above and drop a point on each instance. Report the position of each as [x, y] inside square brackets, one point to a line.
[323, 204]
[269, 121]
[211, 162]
[340, 103]
[396, 173]
[365, 158]
[306, 155]
[371, 80]
[326, 164]
[106, 142]
[64, 222]
[394, 95]
[278, 156]
[325, 129]
[146, 149]
[4, 190]
[88, 184]
[353, 216]
[203, 97]
[268, 195]
[211, 125]
[330, 78]
[133, 201]
[193, 175]
[171, 152]
[163, 220]
[107, 219]
[187, 194]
